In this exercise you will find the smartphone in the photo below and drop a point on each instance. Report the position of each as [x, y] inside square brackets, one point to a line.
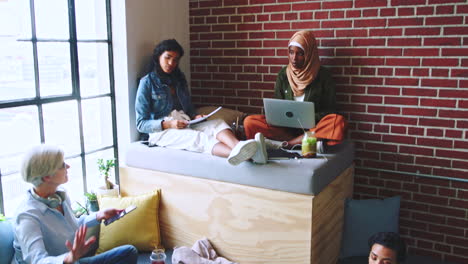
[118, 216]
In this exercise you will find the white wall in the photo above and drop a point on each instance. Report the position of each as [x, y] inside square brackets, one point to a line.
[137, 26]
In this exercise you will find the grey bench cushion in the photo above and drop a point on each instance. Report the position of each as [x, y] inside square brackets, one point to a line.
[305, 176]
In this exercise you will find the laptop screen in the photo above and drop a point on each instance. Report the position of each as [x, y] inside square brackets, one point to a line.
[288, 113]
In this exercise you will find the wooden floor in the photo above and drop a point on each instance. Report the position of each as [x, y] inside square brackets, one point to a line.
[246, 224]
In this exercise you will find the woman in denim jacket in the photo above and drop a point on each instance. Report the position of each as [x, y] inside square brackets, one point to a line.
[163, 109]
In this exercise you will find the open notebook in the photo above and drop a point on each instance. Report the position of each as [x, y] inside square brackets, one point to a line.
[198, 120]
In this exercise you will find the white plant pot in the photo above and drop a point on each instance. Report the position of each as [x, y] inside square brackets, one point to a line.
[102, 191]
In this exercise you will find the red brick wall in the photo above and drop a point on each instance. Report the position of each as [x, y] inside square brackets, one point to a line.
[401, 69]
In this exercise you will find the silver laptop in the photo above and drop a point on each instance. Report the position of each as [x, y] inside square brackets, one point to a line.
[289, 113]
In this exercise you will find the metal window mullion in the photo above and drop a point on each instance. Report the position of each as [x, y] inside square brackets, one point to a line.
[2, 208]
[112, 89]
[63, 40]
[36, 71]
[72, 157]
[76, 83]
[35, 101]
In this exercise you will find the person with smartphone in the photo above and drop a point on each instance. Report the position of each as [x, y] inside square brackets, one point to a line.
[46, 230]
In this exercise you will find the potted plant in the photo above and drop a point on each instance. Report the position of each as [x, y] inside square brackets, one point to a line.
[92, 201]
[109, 188]
[104, 167]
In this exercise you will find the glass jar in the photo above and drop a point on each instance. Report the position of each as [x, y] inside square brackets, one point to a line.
[309, 145]
[158, 256]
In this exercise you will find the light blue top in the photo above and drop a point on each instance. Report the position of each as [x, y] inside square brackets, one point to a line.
[41, 232]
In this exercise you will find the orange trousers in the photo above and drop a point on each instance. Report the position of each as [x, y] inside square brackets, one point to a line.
[257, 123]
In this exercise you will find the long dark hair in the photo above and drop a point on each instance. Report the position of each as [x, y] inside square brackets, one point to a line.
[165, 45]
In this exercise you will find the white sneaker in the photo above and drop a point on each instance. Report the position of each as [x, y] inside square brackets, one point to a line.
[243, 151]
[275, 144]
[261, 155]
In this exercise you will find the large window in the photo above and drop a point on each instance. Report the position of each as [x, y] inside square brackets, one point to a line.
[56, 87]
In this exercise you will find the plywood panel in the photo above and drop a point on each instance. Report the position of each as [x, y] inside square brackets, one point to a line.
[327, 220]
[245, 224]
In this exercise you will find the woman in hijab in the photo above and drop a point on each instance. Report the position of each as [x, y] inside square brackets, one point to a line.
[303, 79]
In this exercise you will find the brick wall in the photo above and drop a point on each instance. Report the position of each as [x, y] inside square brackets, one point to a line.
[401, 69]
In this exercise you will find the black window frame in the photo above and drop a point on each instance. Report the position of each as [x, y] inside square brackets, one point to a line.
[75, 95]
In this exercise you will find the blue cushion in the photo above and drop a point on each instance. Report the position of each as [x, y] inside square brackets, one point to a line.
[6, 242]
[363, 218]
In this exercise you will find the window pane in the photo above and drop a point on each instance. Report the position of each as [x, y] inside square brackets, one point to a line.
[21, 126]
[74, 186]
[91, 19]
[94, 68]
[54, 68]
[61, 126]
[94, 180]
[16, 69]
[51, 19]
[15, 19]
[14, 189]
[97, 111]
[16, 63]
[20, 131]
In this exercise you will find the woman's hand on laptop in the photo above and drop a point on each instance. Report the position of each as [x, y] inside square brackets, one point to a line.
[177, 124]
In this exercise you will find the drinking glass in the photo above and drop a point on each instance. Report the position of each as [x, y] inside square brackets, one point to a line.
[158, 256]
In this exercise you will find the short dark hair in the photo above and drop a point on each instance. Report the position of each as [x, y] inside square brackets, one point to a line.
[392, 241]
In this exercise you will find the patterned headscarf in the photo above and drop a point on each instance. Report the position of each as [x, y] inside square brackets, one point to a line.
[300, 78]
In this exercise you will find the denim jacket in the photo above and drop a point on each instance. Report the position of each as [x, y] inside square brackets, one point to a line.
[154, 101]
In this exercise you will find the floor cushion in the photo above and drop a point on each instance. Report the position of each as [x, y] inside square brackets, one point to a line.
[364, 218]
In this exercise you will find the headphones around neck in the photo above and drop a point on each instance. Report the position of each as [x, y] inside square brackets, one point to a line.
[53, 201]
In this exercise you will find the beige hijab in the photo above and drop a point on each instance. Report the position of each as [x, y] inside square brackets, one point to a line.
[300, 78]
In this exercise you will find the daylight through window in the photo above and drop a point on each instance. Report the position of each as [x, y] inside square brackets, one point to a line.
[56, 87]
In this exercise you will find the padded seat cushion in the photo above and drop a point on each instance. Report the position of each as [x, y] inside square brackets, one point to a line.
[305, 176]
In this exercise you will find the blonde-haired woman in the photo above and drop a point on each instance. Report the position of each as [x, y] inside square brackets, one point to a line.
[46, 230]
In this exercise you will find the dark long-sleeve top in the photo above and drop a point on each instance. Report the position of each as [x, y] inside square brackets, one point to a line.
[321, 92]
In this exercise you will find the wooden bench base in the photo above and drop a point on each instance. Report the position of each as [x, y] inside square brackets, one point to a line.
[247, 224]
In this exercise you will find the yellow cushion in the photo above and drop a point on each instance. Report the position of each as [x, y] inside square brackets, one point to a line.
[139, 227]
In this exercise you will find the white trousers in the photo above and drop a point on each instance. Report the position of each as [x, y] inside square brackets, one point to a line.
[197, 138]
